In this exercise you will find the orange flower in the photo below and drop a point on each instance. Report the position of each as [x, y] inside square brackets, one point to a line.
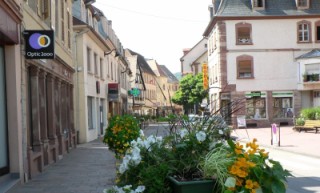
[249, 184]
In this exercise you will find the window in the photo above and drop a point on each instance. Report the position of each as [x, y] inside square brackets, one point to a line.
[111, 71]
[101, 67]
[90, 113]
[243, 34]
[258, 3]
[69, 28]
[56, 27]
[302, 4]
[95, 64]
[304, 32]
[62, 21]
[88, 59]
[256, 108]
[317, 27]
[244, 67]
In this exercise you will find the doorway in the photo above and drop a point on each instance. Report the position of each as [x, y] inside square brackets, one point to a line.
[4, 154]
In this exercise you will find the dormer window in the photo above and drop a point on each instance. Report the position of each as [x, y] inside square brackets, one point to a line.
[258, 4]
[302, 4]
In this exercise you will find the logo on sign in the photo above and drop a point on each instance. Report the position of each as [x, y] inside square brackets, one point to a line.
[38, 41]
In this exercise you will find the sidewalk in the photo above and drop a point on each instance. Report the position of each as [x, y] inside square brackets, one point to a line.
[306, 143]
[90, 168]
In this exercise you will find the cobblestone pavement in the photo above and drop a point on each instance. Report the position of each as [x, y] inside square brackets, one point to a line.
[89, 168]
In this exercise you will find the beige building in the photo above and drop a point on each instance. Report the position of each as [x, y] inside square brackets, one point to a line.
[252, 56]
[145, 103]
[193, 58]
[90, 79]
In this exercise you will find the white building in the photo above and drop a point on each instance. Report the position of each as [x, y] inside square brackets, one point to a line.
[252, 51]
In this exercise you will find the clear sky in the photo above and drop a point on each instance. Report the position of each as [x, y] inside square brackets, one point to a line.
[158, 30]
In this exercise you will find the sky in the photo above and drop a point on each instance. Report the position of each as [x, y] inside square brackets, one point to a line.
[158, 30]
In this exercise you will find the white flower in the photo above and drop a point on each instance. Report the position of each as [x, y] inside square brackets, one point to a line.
[220, 132]
[230, 182]
[141, 133]
[183, 132]
[127, 187]
[140, 189]
[123, 168]
[201, 136]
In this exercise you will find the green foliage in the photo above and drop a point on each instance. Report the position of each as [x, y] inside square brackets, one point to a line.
[310, 113]
[300, 121]
[190, 92]
[120, 132]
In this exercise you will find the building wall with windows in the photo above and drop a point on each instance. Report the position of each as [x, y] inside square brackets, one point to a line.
[92, 75]
[253, 60]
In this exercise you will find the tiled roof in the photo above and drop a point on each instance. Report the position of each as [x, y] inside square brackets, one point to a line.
[171, 78]
[312, 54]
[143, 63]
[272, 8]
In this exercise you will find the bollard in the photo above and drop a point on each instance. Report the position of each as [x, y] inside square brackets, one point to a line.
[275, 134]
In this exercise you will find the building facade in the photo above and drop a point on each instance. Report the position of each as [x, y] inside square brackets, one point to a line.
[253, 72]
[11, 129]
[47, 86]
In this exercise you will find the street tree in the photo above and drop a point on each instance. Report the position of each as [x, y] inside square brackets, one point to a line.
[191, 92]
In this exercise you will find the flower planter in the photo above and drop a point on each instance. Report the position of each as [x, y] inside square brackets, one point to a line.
[203, 186]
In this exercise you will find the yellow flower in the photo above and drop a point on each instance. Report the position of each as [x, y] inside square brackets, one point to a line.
[249, 184]
[256, 185]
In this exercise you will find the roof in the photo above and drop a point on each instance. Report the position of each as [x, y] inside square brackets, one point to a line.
[164, 70]
[272, 8]
[234, 9]
[142, 63]
[312, 54]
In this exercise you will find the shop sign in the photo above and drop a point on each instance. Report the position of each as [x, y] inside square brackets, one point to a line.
[39, 44]
[205, 76]
[113, 92]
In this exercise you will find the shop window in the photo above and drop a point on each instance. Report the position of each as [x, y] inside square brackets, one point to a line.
[282, 107]
[256, 108]
[304, 32]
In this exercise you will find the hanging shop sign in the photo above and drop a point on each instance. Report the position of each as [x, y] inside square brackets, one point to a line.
[113, 92]
[205, 76]
[39, 44]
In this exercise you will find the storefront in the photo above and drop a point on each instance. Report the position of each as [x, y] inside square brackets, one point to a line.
[4, 157]
[11, 157]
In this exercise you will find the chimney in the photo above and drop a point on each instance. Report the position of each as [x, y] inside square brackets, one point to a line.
[186, 51]
[210, 8]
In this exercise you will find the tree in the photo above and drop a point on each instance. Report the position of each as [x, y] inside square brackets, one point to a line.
[191, 91]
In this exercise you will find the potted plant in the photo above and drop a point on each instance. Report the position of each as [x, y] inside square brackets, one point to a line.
[245, 170]
[167, 164]
[305, 77]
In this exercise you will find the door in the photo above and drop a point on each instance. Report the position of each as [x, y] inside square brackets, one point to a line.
[4, 160]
